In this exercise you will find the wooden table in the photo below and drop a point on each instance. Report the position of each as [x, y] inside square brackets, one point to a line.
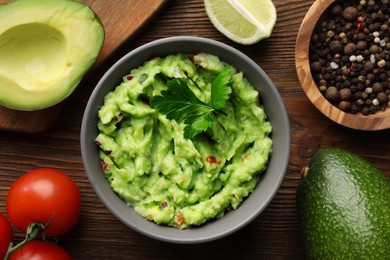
[274, 234]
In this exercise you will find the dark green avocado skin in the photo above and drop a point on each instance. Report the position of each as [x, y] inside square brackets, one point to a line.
[344, 208]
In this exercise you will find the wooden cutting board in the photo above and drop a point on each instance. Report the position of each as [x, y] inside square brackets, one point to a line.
[121, 20]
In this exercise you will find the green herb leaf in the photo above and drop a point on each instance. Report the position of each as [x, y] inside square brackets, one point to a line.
[196, 125]
[219, 89]
[179, 103]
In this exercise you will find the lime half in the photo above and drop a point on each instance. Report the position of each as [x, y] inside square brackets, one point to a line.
[242, 21]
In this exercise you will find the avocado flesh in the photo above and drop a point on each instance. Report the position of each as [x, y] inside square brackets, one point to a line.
[343, 205]
[46, 47]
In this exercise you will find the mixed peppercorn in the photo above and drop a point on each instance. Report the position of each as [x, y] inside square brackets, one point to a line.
[350, 56]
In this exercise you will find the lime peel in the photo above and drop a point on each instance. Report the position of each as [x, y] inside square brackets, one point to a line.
[248, 29]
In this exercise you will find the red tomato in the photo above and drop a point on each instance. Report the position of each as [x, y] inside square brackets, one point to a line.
[43, 194]
[40, 250]
[6, 235]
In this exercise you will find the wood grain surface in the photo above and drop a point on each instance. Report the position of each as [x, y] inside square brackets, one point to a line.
[121, 20]
[272, 235]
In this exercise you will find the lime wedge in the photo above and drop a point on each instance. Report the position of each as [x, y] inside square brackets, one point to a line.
[243, 21]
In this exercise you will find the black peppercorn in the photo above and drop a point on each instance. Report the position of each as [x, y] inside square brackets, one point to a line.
[345, 94]
[331, 25]
[354, 109]
[350, 13]
[366, 111]
[374, 49]
[383, 77]
[361, 45]
[350, 56]
[369, 67]
[335, 46]
[357, 95]
[315, 66]
[372, 27]
[370, 76]
[345, 105]
[336, 10]
[377, 87]
[332, 94]
[350, 48]
[373, 109]
[382, 98]
[361, 36]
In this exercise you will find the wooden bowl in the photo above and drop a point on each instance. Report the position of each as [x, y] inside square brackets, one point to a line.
[378, 121]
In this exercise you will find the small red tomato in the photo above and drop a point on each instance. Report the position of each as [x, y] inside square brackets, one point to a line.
[43, 195]
[6, 235]
[40, 250]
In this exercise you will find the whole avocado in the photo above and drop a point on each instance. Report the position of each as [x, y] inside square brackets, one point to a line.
[343, 205]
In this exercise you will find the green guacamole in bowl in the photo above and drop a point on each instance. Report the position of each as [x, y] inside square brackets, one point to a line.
[170, 185]
[170, 179]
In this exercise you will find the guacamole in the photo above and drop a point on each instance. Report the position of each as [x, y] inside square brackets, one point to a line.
[165, 177]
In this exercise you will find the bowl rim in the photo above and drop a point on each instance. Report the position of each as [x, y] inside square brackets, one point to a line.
[196, 234]
[377, 121]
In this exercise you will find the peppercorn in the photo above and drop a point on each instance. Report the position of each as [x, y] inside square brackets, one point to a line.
[361, 36]
[350, 13]
[369, 67]
[382, 98]
[322, 89]
[373, 109]
[381, 63]
[331, 25]
[377, 87]
[361, 45]
[345, 105]
[371, 27]
[350, 48]
[332, 94]
[335, 46]
[315, 66]
[372, 96]
[354, 109]
[322, 82]
[359, 86]
[365, 110]
[374, 49]
[357, 95]
[345, 94]
[336, 10]
[344, 41]
[369, 90]
[360, 101]
[359, 58]
[362, 78]
[371, 76]
[348, 26]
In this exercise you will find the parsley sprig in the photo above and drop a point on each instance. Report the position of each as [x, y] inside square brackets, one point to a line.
[179, 103]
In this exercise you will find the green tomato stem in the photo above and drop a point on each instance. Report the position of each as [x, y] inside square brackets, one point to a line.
[33, 231]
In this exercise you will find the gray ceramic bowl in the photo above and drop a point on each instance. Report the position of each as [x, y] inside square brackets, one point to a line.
[266, 188]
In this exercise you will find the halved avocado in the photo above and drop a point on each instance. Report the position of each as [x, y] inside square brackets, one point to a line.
[46, 47]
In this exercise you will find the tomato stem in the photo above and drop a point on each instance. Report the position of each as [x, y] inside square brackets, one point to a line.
[33, 231]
